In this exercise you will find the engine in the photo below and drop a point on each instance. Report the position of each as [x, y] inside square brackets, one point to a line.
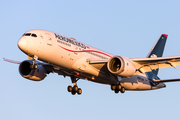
[32, 74]
[121, 66]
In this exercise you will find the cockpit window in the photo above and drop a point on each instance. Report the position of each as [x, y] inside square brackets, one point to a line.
[27, 34]
[34, 35]
[30, 34]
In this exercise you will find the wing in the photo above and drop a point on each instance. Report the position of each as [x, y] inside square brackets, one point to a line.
[48, 67]
[142, 64]
[148, 64]
[11, 61]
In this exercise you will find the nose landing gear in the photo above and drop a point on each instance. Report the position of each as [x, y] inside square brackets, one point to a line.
[33, 58]
[75, 88]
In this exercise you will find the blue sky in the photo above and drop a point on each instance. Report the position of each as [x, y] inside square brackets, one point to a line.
[127, 28]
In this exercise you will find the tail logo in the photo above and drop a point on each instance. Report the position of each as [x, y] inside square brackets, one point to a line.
[153, 56]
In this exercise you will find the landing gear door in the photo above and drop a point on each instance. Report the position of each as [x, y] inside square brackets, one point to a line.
[49, 39]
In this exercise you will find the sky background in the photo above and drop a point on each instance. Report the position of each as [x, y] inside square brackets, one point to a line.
[121, 27]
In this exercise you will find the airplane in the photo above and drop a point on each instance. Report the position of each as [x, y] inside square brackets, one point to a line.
[49, 52]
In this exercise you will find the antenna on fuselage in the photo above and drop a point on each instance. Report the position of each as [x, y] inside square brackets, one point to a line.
[73, 38]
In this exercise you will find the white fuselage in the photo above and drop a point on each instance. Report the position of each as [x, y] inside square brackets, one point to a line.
[72, 56]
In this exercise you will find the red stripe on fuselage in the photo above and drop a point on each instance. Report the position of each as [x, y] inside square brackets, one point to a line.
[85, 51]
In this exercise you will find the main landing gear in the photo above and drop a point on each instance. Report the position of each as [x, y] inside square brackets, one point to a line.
[117, 88]
[75, 88]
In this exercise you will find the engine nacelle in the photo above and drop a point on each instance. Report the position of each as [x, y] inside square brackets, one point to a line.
[32, 74]
[121, 66]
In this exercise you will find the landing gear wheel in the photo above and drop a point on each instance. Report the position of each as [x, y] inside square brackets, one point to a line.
[113, 87]
[122, 90]
[69, 88]
[73, 92]
[118, 87]
[79, 91]
[75, 88]
[116, 91]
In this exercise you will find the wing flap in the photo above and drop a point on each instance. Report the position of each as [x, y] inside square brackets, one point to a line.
[97, 61]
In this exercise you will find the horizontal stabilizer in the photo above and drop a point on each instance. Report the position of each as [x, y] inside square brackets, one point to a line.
[167, 80]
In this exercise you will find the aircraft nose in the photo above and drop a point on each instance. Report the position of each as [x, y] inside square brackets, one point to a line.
[22, 44]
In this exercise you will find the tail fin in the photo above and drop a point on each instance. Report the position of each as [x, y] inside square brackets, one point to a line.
[157, 49]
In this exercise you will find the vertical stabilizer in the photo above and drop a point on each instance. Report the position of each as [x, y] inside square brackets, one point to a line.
[157, 49]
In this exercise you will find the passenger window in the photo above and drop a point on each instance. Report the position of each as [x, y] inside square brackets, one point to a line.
[34, 35]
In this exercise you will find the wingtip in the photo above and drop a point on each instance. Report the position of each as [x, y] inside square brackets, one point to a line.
[165, 35]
